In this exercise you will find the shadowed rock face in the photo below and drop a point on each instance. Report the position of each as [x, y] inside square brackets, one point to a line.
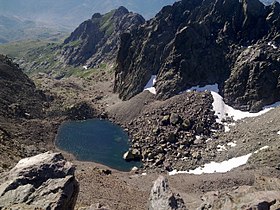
[197, 43]
[18, 94]
[97, 40]
[45, 181]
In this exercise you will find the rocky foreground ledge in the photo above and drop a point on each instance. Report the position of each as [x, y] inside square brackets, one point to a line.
[45, 181]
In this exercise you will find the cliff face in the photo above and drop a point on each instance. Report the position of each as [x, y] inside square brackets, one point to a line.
[201, 42]
[97, 40]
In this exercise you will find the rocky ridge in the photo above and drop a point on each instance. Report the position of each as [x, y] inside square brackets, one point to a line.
[203, 42]
[96, 40]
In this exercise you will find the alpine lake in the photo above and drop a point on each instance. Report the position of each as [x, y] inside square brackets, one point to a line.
[96, 140]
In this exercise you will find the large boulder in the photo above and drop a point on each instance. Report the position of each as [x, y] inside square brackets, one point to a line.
[162, 198]
[45, 181]
[132, 155]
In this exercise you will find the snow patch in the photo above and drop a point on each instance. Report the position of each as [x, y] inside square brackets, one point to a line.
[85, 67]
[272, 45]
[150, 85]
[232, 144]
[278, 132]
[222, 167]
[214, 167]
[223, 110]
[198, 137]
[221, 148]
[227, 129]
[183, 29]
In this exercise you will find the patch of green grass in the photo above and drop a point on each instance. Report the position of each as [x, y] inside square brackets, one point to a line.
[75, 43]
[106, 23]
[21, 48]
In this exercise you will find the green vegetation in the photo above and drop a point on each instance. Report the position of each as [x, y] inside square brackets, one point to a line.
[75, 43]
[106, 23]
[19, 49]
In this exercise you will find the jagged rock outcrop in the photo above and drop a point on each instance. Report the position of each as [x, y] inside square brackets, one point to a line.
[254, 80]
[162, 198]
[45, 181]
[197, 43]
[97, 40]
[18, 95]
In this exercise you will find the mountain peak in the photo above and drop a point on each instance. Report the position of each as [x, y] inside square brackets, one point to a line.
[122, 10]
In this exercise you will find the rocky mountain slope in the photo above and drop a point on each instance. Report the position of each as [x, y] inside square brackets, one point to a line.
[18, 95]
[97, 40]
[232, 43]
[20, 105]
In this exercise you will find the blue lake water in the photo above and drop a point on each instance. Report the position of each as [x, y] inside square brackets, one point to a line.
[95, 140]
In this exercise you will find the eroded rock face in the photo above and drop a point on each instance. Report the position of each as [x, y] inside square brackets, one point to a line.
[162, 198]
[45, 181]
[19, 97]
[198, 43]
[97, 40]
[254, 80]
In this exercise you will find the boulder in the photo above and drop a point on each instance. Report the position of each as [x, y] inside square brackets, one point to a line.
[132, 155]
[165, 120]
[175, 119]
[162, 198]
[45, 181]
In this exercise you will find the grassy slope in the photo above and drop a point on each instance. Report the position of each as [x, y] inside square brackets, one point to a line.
[39, 51]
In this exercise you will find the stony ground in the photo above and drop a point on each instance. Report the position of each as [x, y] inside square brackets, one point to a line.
[120, 190]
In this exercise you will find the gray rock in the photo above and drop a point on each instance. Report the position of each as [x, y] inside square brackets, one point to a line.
[165, 120]
[162, 198]
[244, 197]
[45, 181]
[132, 155]
[174, 118]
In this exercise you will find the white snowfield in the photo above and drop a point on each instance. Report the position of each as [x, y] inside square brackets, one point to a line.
[85, 67]
[150, 85]
[223, 110]
[222, 167]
